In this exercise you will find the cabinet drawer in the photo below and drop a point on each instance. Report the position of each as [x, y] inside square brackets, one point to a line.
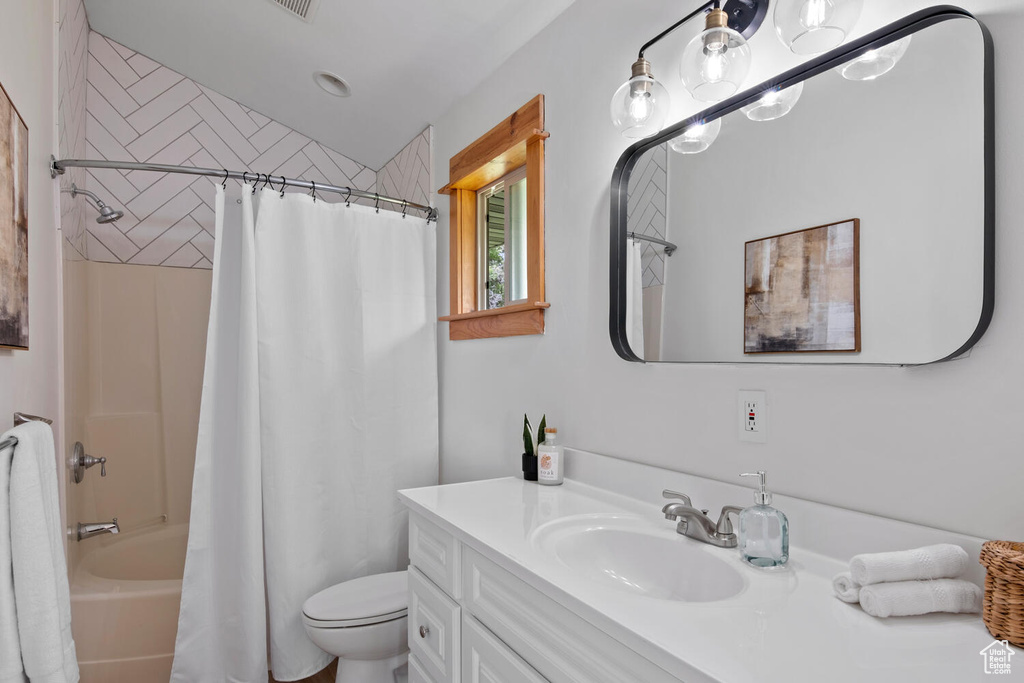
[561, 646]
[434, 629]
[485, 659]
[435, 552]
[417, 674]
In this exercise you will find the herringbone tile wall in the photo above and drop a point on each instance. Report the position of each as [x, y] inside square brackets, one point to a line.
[407, 176]
[139, 110]
[646, 209]
[73, 57]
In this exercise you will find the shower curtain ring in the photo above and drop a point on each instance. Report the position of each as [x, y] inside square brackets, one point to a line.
[283, 179]
[225, 183]
[266, 180]
[376, 201]
[405, 207]
[312, 192]
[348, 196]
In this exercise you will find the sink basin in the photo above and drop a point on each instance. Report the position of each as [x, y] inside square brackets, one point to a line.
[632, 555]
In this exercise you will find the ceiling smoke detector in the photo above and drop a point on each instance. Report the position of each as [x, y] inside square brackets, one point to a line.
[303, 9]
[332, 83]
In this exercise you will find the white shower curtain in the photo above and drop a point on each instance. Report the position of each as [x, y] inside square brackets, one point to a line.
[635, 297]
[345, 374]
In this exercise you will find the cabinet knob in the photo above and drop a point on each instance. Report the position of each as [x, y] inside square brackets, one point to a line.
[424, 631]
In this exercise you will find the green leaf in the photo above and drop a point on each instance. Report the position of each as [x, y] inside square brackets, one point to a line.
[540, 430]
[527, 436]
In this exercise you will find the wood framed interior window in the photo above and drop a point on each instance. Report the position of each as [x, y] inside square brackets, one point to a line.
[497, 230]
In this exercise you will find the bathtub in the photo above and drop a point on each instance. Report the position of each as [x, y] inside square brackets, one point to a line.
[124, 605]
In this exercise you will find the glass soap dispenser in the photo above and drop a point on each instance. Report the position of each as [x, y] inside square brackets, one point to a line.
[764, 531]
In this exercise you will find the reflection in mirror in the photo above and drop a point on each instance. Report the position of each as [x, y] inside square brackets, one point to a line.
[896, 140]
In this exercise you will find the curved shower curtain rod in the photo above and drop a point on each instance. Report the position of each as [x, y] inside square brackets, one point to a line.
[59, 166]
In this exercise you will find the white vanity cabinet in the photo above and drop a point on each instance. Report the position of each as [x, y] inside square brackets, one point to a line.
[472, 621]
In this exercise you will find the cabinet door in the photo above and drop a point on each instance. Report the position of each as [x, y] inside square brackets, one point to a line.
[434, 628]
[485, 659]
[435, 552]
[417, 674]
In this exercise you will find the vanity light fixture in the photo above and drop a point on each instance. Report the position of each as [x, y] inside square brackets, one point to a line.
[874, 63]
[715, 63]
[713, 66]
[774, 104]
[810, 27]
[696, 138]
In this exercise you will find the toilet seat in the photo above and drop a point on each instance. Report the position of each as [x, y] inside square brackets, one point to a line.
[367, 600]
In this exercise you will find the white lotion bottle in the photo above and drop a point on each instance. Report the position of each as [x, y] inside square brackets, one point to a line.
[549, 460]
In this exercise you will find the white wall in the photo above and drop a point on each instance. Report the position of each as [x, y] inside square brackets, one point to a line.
[29, 379]
[935, 445]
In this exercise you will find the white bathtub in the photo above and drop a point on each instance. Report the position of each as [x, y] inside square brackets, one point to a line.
[124, 606]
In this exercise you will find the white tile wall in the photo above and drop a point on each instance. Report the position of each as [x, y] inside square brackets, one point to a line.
[138, 110]
[646, 210]
[73, 37]
[407, 176]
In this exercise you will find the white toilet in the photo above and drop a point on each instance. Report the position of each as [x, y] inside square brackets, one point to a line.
[363, 622]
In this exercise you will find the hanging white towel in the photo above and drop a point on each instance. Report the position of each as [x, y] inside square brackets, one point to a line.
[943, 561]
[909, 598]
[42, 648]
[635, 297]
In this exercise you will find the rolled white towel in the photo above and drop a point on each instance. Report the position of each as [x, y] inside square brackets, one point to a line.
[846, 588]
[943, 561]
[907, 598]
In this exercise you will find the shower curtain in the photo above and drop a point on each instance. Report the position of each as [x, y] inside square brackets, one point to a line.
[319, 402]
[635, 297]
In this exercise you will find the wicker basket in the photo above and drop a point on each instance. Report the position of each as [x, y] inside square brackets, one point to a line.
[1003, 610]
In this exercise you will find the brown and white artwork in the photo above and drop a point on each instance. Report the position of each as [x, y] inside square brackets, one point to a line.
[803, 291]
[13, 226]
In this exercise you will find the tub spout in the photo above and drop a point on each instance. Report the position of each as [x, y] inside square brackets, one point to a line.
[97, 528]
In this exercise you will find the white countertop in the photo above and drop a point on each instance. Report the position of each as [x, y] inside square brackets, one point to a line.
[783, 626]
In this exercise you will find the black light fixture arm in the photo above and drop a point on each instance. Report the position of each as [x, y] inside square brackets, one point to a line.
[745, 17]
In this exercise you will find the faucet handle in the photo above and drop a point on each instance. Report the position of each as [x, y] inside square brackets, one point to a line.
[724, 524]
[667, 493]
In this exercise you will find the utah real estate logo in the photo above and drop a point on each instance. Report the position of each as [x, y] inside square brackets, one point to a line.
[997, 657]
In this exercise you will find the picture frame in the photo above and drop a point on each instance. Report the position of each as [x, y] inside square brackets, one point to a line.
[14, 328]
[802, 291]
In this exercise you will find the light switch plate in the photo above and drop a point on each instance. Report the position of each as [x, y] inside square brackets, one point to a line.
[753, 416]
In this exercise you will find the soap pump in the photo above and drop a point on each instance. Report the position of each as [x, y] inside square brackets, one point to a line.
[764, 531]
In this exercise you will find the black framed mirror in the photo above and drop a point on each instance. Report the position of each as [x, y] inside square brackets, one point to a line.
[859, 226]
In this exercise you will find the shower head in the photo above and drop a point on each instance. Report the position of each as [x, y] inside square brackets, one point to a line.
[107, 214]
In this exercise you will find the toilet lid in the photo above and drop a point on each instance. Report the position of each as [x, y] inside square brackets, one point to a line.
[364, 599]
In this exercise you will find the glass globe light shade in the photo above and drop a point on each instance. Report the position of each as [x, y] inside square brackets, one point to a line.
[639, 107]
[715, 63]
[696, 138]
[874, 63]
[809, 27]
[774, 104]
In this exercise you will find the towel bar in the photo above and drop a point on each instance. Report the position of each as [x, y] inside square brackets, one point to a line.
[22, 418]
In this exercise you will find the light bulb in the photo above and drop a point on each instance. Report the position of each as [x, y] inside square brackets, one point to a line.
[816, 13]
[874, 63]
[640, 105]
[809, 27]
[774, 103]
[697, 138]
[715, 63]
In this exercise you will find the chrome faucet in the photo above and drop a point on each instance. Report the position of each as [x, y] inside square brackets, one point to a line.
[696, 524]
[97, 528]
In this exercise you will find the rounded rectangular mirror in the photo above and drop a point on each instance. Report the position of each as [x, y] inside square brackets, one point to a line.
[831, 215]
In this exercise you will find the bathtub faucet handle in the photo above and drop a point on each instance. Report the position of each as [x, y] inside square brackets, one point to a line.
[81, 461]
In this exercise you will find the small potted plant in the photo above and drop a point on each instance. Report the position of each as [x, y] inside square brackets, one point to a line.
[530, 444]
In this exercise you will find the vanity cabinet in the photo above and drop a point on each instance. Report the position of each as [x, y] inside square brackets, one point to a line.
[472, 621]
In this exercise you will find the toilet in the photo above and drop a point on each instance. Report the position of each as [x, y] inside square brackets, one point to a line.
[363, 622]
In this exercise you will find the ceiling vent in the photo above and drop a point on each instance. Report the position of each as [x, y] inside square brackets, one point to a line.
[303, 9]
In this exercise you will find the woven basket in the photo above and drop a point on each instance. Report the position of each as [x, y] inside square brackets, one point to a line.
[1003, 610]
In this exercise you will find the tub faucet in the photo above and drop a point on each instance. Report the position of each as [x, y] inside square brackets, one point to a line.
[97, 528]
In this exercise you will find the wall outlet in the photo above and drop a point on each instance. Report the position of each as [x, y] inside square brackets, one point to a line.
[753, 412]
